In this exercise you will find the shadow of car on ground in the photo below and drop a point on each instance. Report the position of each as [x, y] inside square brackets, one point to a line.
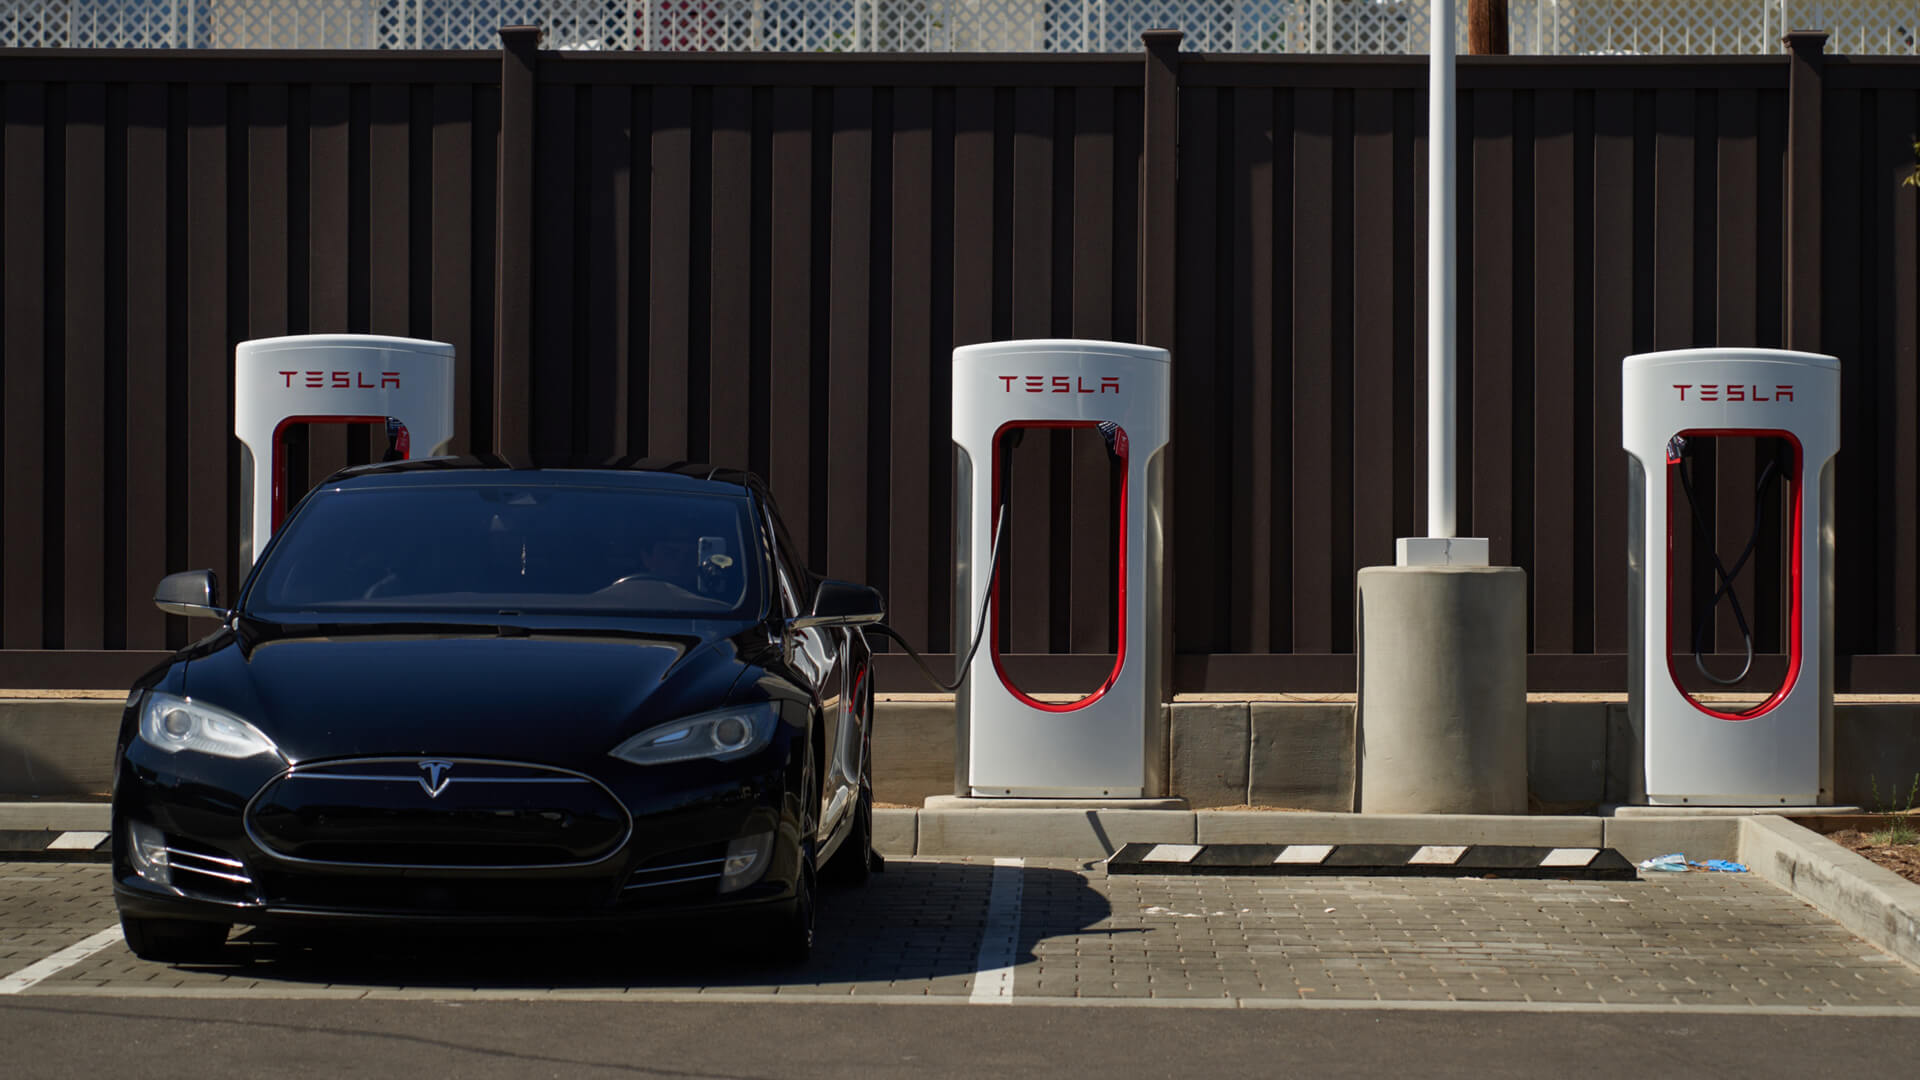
[917, 922]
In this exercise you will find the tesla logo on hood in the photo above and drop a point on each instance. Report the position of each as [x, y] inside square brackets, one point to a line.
[435, 775]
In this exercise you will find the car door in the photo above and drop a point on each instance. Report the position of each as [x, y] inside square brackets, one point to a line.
[818, 656]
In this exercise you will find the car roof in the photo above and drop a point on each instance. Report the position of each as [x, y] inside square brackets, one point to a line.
[655, 474]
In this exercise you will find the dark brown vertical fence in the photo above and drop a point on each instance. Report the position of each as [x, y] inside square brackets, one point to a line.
[767, 261]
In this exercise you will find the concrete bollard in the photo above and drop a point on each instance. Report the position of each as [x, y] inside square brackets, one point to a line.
[1443, 690]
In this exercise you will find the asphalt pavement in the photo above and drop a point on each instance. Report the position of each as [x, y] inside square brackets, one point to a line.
[925, 973]
[208, 1040]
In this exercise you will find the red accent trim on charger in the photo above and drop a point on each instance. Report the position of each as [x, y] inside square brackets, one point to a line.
[279, 478]
[1120, 650]
[1794, 487]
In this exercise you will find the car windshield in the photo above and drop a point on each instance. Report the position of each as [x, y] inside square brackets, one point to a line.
[500, 548]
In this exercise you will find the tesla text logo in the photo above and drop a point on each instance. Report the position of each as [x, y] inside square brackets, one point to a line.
[1730, 392]
[342, 380]
[1059, 384]
[435, 775]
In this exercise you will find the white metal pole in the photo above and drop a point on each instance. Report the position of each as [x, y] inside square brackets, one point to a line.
[1443, 437]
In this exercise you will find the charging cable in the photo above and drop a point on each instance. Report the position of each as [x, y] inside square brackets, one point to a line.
[979, 630]
[1676, 454]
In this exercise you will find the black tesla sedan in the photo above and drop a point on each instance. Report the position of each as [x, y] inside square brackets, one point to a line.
[457, 690]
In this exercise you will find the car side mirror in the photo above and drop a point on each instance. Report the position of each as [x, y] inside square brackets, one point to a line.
[193, 593]
[842, 603]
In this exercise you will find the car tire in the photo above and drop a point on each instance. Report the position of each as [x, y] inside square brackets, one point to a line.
[173, 941]
[791, 936]
[852, 865]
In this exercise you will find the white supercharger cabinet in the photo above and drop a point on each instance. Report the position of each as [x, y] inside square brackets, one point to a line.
[1011, 744]
[1778, 752]
[331, 379]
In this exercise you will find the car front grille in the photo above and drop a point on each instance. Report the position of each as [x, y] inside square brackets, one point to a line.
[411, 893]
[437, 813]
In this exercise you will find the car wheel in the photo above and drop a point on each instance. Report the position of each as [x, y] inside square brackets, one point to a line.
[853, 863]
[173, 941]
[792, 932]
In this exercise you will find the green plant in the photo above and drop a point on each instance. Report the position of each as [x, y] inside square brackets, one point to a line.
[1896, 835]
[1896, 832]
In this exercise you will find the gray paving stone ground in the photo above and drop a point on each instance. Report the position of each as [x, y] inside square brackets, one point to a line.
[1675, 941]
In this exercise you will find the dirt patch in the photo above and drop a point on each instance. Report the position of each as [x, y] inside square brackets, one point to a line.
[1902, 859]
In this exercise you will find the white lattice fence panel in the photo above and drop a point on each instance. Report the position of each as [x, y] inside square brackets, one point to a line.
[1885, 27]
[1670, 27]
[31, 24]
[275, 24]
[124, 24]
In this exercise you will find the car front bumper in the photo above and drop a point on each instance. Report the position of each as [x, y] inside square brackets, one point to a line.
[668, 865]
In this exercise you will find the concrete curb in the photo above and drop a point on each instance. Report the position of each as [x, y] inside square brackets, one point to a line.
[1096, 834]
[1868, 899]
[34, 816]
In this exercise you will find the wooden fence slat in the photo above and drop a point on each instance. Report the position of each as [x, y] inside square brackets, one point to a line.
[513, 239]
[1491, 367]
[1845, 204]
[1314, 454]
[1900, 323]
[551, 364]
[670, 305]
[1251, 363]
[1673, 315]
[730, 268]
[148, 319]
[1195, 494]
[1612, 303]
[1555, 398]
[208, 418]
[973, 213]
[83, 454]
[451, 234]
[790, 320]
[847, 414]
[914, 442]
[23, 488]
[1377, 394]
[388, 186]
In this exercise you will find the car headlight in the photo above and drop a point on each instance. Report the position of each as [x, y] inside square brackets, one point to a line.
[721, 735]
[173, 724]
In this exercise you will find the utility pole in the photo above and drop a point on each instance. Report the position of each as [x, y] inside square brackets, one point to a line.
[1487, 27]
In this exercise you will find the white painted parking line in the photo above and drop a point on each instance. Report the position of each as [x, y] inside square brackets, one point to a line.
[58, 962]
[1303, 855]
[1570, 856]
[1173, 853]
[1000, 937]
[1439, 855]
[76, 841]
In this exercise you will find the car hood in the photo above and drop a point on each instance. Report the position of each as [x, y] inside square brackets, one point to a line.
[556, 696]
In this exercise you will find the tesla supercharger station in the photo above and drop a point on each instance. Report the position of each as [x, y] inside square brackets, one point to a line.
[332, 379]
[1011, 744]
[1777, 752]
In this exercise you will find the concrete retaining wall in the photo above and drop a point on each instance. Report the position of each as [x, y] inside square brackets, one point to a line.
[1295, 754]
